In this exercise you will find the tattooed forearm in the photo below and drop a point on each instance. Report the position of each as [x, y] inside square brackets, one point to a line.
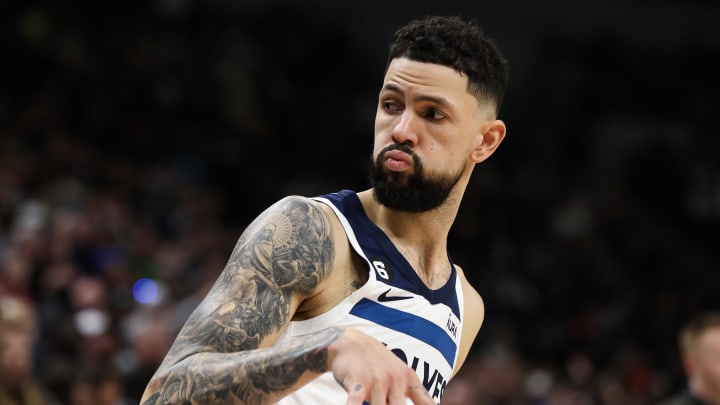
[287, 251]
[251, 377]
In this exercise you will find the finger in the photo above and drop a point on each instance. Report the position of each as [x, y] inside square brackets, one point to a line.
[356, 394]
[419, 395]
[398, 393]
[378, 394]
[396, 397]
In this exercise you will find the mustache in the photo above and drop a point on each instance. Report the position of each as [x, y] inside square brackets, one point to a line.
[402, 147]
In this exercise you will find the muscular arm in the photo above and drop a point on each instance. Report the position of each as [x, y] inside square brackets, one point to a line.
[474, 317]
[226, 352]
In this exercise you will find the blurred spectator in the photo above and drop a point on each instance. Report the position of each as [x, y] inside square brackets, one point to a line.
[18, 334]
[700, 350]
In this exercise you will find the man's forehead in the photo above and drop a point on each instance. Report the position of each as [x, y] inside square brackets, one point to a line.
[404, 71]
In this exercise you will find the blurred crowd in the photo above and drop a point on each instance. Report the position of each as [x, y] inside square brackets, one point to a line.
[137, 140]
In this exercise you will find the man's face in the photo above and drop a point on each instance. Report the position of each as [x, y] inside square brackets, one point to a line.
[425, 130]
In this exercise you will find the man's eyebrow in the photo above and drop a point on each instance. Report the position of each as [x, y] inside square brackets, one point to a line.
[420, 97]
[393, 87]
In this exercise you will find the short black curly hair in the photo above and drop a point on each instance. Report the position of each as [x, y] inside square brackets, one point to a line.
[458, 44]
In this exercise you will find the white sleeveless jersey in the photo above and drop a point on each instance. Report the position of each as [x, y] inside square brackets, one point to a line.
[421, 326]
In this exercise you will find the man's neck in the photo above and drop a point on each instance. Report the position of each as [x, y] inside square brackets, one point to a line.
[420, 237]
[428, 228]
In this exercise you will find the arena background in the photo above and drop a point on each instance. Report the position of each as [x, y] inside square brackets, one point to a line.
[138, 139]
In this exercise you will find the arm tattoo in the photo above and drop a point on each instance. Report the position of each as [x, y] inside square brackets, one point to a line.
[251, 378]
[288, 250]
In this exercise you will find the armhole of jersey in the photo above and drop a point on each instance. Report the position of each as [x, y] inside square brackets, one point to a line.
[461, 307]
[348, 230]
[329, 318]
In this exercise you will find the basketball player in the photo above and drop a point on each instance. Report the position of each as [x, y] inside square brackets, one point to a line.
[700, 350]
[352, 297]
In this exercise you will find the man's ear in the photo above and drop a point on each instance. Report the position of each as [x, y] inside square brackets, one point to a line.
[488, 139]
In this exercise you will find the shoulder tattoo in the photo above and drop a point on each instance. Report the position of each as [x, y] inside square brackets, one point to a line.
[287, 250]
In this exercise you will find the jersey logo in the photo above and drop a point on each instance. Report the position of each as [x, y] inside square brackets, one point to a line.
[384, 297]
[451, 327]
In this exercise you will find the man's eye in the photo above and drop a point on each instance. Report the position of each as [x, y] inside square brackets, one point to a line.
[390, 106]
[434, 115]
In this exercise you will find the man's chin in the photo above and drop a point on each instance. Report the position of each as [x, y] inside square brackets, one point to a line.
[398, 180]
[399, 199]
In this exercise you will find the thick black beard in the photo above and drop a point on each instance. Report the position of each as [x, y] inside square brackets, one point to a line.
[413, 193]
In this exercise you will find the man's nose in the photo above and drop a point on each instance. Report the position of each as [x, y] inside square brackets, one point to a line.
[406, 129]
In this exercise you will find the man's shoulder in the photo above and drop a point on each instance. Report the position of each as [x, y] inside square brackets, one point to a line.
[293, 201]
[469, 291]
[294, 205]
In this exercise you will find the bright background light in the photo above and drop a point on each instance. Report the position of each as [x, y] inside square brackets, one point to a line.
[145, 291]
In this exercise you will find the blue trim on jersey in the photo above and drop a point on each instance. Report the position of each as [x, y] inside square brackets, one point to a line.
[409, 324]
[375, 243]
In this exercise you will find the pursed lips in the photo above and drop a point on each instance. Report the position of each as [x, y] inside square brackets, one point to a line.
[398, 160]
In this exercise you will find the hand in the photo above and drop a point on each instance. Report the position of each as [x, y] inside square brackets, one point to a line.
[370, 373]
